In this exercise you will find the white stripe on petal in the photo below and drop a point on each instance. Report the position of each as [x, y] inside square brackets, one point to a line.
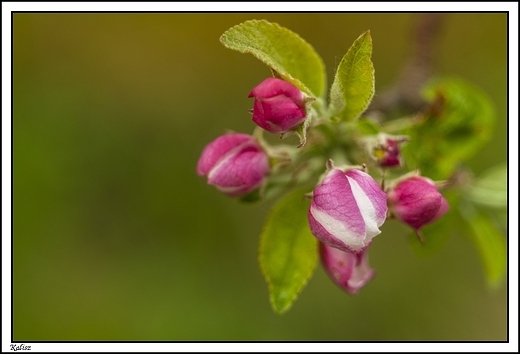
[228, 156]
[338, 229]
[230, 190]
[367, 209]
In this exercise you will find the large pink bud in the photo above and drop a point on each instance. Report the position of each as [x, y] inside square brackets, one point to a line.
[417, 202]
[279, 105]
[234, 163]
[350, 271]
[347, 210]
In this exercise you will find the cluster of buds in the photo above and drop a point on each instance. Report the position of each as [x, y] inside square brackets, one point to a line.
[348, 206]
[237, 164]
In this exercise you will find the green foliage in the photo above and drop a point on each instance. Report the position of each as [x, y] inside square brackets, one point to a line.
[457, 123]
[286, 53]
[367, 127]
[353, 86]
[490, 243]
[288, 251]
[485, 202]
[115, 239]
[490, 190]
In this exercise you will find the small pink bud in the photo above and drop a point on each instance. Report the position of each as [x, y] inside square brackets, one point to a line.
[234, 163]
[417, 202]
[391, 156]
[347, 210]
[387, 151]
[350, 271]
[279, 105]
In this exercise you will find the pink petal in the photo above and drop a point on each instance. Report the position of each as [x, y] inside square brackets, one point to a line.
[348, 270]
[334, 216]
[271, 87]
[374, 193]
[219, 147]
[416, 202]
[277, 114]
[240, 172]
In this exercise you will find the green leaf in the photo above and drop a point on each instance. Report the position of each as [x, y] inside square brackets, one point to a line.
[288, 251]
[353, 86]
[456, 125]
[491, 245]
[490, 190]
[285, 52]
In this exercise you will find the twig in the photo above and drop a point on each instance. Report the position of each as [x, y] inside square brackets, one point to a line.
[405, 93]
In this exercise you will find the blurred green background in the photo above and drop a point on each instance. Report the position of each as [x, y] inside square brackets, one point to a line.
[116, 238]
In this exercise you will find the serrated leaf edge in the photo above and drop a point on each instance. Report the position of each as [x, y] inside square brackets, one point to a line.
[340, 110]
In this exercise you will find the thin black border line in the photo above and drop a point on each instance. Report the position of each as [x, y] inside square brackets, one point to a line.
[507, 177]
[261, 12]
[12, 175]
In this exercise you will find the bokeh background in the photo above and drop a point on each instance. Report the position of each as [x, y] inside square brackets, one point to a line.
[116, 238]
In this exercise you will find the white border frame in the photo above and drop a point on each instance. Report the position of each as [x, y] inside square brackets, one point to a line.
[511, 7]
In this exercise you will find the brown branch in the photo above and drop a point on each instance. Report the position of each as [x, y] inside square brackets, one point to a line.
[405, 93]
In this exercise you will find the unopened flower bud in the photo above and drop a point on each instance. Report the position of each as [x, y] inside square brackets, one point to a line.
[350, 271]
[347, 210]
[234, 163]
[417, 202]
[386, 150]
[279, 105]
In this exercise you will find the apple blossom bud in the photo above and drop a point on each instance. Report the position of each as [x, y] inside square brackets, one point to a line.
[279, 105]
[350, 271]
[416, 201]
[385, 149]
[234, 163]
[347, 210]
[389, 153]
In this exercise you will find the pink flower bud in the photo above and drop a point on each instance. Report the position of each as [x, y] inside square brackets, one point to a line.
[350, 271]
[347, 210]
[416, 201]
[386, 149]
[391, 155]
[234, 163]
[279, 105]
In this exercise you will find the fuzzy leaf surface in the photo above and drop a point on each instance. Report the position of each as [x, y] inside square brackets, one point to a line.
[289, 56]
[353, 85]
